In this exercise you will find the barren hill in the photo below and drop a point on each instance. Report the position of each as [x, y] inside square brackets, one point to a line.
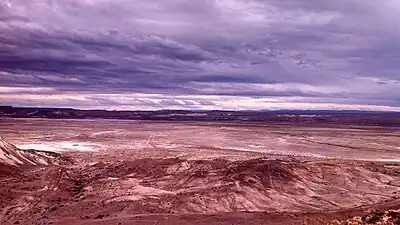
[12, 159]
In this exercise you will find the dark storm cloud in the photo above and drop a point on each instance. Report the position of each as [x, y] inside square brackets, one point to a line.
[343, 49]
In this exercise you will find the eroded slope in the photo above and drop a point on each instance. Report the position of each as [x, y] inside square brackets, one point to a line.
[113, 191]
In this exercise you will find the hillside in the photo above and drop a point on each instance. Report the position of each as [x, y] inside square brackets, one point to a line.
[13, 159]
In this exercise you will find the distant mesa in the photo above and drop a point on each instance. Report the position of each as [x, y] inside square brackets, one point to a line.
[350, 117]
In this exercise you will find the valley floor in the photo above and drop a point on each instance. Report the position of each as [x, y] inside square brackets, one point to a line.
[130, 172]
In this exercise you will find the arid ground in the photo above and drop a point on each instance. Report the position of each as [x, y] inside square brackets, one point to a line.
[146, 172]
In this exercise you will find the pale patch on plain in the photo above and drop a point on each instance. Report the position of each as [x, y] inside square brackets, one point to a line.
[59, 146]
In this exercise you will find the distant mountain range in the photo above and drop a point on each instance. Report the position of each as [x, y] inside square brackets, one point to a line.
[264, 116]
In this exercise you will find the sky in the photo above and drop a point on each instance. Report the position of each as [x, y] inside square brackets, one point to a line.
[203, 54]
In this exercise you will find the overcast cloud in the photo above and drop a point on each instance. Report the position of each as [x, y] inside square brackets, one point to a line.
[206, 54]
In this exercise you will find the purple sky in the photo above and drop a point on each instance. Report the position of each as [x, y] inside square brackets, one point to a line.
[204, 54]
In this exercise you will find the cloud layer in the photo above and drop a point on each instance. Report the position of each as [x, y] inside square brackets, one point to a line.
[213, 54]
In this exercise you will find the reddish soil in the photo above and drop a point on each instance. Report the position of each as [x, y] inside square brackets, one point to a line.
[176, 191]
[158, 184]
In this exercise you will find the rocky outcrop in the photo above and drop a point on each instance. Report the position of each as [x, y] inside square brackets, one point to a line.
[12, 156]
